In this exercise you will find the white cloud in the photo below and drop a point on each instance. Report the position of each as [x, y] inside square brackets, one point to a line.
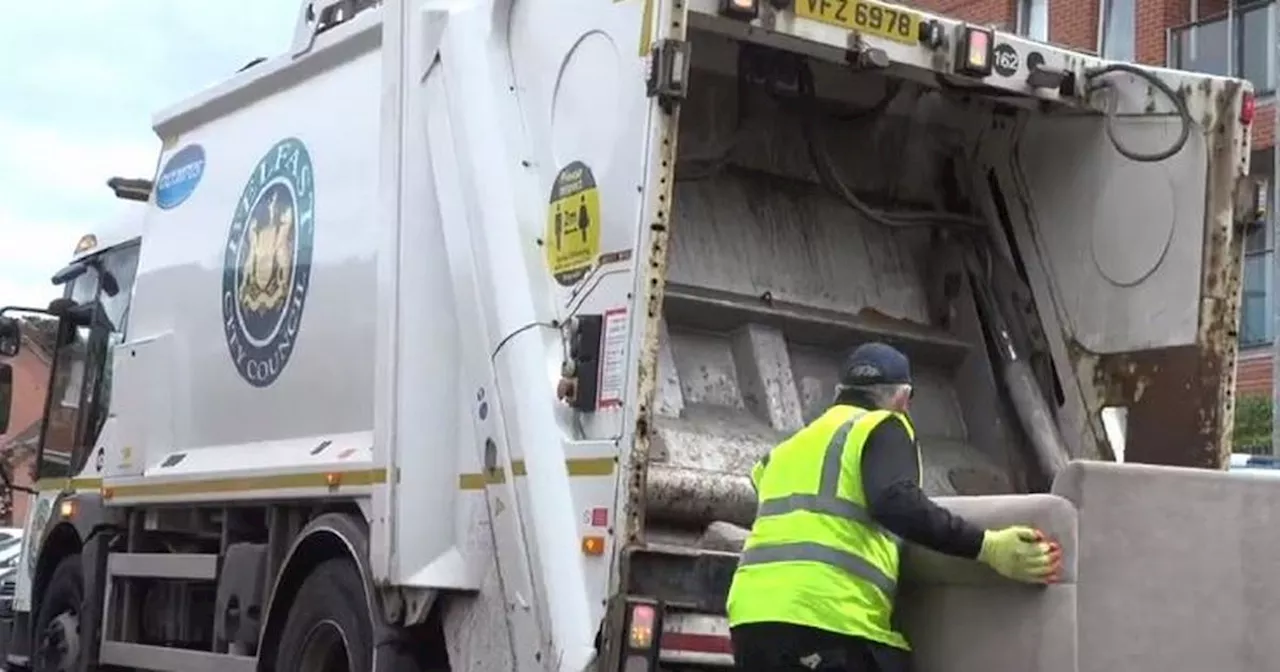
[40, 158]
[32, 251]
[76, 100]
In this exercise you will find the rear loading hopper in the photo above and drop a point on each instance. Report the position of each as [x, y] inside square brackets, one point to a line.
[818, 205]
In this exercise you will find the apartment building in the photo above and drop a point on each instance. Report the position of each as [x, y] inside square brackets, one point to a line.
[1214, 36]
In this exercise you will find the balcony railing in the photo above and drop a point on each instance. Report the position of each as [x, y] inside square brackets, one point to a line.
[1243, 45]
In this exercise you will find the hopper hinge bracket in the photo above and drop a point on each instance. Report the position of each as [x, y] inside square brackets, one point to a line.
[669, 73]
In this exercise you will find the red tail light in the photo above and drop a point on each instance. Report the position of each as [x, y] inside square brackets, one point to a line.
[1248, 107]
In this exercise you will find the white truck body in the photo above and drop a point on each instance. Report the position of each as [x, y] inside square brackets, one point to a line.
[361, 301]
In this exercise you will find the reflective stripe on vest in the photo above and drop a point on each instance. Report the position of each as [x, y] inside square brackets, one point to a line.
[826, 502]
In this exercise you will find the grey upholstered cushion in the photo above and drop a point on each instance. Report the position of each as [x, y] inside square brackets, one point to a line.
[962, 617]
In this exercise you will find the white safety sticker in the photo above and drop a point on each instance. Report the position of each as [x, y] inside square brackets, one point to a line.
[613, 357]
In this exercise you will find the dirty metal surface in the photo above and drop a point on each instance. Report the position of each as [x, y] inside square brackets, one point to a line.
[771, 280]
[1174, 414]
[1148, 321]
[1181, 400]
[692, 581]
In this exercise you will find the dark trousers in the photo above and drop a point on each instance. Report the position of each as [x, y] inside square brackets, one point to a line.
[783, 647]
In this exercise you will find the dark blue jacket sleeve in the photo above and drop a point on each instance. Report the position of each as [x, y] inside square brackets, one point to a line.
[890, 469]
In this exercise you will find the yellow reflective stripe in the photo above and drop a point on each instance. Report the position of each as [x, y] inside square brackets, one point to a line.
[831, 506]
[826, 501]
[576, 466]
[812, 552]
[833, 460]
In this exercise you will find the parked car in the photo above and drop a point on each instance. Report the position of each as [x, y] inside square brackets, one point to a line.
[1264, 465]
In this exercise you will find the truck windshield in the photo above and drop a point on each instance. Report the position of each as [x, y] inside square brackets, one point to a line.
[81, 381]
[122, 264]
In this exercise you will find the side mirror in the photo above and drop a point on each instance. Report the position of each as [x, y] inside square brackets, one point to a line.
[6, 395]
[10, 337]
[69, 273]
[60, 306]
[28, 328]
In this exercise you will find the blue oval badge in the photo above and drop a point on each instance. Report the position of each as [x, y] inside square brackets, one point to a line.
[179, 177]
[266, 267]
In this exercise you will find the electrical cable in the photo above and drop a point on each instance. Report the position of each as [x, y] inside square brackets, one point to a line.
[714, 161]
[709, 164]
[554, 324]
[1179, 105]
[826, 173]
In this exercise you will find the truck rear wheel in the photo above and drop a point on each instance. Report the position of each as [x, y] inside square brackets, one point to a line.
[329, 627]
[57, 624]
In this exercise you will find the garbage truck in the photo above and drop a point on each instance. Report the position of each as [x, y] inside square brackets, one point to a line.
[446, 341]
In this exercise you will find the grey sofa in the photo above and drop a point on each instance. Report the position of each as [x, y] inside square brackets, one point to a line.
[1166, 570]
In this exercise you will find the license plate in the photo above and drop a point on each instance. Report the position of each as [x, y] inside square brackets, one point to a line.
[864, 16]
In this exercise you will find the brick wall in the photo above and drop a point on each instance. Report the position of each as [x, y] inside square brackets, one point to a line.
[1253, 372]
[1264, 131]
[1074, 23]
[1154, 19]
[1002, 13]
[30, 380]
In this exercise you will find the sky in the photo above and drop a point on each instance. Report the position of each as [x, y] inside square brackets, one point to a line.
[79, 84]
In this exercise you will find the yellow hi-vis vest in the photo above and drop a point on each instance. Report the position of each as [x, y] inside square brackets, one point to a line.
[815, 557]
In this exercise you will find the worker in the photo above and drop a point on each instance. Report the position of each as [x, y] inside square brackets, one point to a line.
[814, 589]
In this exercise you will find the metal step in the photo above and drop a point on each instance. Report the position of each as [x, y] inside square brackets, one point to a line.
[192, 566]
[719, 311]
[680, 577]
[146, 657]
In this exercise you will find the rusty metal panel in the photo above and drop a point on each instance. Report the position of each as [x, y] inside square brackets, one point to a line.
[1161, 345]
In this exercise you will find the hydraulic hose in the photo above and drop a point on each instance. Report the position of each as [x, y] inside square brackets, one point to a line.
[1179, 105]
[825, 170]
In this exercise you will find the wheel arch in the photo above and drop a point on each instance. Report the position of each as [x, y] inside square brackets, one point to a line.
[335, 534]
[61, 542]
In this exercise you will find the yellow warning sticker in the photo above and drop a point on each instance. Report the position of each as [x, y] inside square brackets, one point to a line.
[573, 224]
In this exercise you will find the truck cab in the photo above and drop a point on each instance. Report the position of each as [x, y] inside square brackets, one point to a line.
[76, 336]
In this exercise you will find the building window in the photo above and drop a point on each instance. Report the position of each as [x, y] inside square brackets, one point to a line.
[1256, 315]
[1033, 19]
[1117, 23]
[1239, 44]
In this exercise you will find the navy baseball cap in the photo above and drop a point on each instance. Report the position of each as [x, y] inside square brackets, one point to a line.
[875, 364]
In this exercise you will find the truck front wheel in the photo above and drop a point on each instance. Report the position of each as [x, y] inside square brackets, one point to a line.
[57, 624]
[329, 627]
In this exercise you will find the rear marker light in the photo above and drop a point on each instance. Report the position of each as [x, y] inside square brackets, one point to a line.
[976, 47]
[87, 242]
[593, 545]
[739, 9]
[641, 631]
[1248, 107]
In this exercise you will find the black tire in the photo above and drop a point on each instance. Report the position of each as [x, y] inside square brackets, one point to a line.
[329, 628]
[58, 619]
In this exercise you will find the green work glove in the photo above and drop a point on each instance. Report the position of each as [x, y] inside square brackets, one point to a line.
[1022, 554]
